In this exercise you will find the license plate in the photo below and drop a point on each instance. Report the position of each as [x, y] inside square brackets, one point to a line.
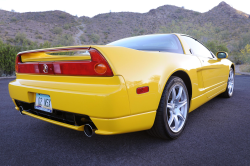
[43, 103]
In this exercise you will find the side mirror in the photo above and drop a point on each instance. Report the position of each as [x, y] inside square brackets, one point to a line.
[221, 55]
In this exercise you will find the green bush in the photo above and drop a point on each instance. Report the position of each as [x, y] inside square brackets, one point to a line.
[94, 37]
[13, 19]
[66, 26]
[63, 40]
[57, 30]
[39, 37]
[119, 22]
[8, 54]
[245, 54]
[214, 46]
[10, 40]
[20, 39]
[82, 38]
[62, 16]
[7, 58]
[46, 44]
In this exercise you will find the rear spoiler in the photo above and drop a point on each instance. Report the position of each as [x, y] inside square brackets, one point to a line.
[57, 49]
[39, 62]
[42, 55]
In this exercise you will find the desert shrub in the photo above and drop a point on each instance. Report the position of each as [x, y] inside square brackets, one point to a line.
[245, 54]
[245, 68]
[8, 54]
[203, 33]
[63, 40]
[82, 38]
[119, 22]
[197, 13]
[57, 30]
[178, 11]
[20, 39]
[66, 26]
[181, 17]
[94, 37]
[225, 35]
[105, 34]
[13, 19]
[138, 31]
[7, 58]
[46, 44]
[62, 16]
[10, 40]
[81, 27]
[39, 37]
[243, 41]
[214, 46]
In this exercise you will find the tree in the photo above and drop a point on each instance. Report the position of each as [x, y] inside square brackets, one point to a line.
[214, 46]
[245, 54]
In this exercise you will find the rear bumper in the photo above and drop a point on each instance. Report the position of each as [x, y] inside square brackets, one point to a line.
[125, 124]
[121, 125]
[104, 101]
[95, 97]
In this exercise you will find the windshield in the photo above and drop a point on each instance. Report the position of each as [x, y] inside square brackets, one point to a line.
[159, 42]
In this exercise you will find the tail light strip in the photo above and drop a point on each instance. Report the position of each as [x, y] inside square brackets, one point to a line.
[97, 66]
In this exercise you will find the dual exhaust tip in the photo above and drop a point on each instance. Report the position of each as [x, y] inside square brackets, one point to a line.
[21, 110]
[88, 130]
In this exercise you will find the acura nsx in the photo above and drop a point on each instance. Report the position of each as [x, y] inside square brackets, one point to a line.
[148, 82]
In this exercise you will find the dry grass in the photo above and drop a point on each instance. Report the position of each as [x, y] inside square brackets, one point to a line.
[245, 68]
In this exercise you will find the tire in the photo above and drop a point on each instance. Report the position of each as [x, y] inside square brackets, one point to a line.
[172, 113]
[230, 85]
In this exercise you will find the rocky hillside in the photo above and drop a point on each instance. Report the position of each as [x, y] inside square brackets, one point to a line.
[222, 23]
[36, 26]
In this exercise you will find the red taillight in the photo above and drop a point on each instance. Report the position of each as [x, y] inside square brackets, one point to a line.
[18, 59]
[97, 66]
[28, 68]
[141, 90]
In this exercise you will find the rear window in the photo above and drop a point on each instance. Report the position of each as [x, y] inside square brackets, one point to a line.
[160, 42]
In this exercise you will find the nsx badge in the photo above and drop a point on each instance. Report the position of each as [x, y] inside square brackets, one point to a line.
[45, 68]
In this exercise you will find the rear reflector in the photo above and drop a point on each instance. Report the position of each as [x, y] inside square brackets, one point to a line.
[100, 68]
[97, 66]
[141, 90]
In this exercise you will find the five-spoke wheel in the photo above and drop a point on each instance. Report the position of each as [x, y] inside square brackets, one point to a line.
[173, 109]
[176, 108]
[230, 85]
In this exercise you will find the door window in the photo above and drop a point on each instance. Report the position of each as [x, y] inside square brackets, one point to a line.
[197, 48]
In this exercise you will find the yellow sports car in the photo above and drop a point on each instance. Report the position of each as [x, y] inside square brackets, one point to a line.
[139, 83]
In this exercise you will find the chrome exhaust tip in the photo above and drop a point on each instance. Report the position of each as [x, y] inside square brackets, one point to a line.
[21, 110]
[88, 130]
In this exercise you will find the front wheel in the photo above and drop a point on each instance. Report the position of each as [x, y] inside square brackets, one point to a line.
[230, 85]
[173, 109]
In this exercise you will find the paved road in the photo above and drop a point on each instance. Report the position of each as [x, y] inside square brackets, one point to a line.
[217, 133]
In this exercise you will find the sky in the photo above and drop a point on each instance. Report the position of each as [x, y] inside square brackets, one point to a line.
[91, 8]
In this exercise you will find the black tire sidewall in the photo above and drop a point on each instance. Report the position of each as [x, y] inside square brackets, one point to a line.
[228, 82]
[170, 85]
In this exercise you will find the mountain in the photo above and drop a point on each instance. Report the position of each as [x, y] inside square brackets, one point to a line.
[37, 26]
[222, 23]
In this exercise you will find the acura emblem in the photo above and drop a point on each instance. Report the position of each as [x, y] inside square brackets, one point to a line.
[45, 68]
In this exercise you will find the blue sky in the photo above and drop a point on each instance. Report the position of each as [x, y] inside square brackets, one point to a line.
[91, 8]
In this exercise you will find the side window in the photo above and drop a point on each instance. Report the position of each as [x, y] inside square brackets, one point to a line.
[197, 48]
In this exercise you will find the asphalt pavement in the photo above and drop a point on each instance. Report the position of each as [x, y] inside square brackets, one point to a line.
[217, 133]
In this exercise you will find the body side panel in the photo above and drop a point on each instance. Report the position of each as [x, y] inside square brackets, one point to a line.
[153, 69]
